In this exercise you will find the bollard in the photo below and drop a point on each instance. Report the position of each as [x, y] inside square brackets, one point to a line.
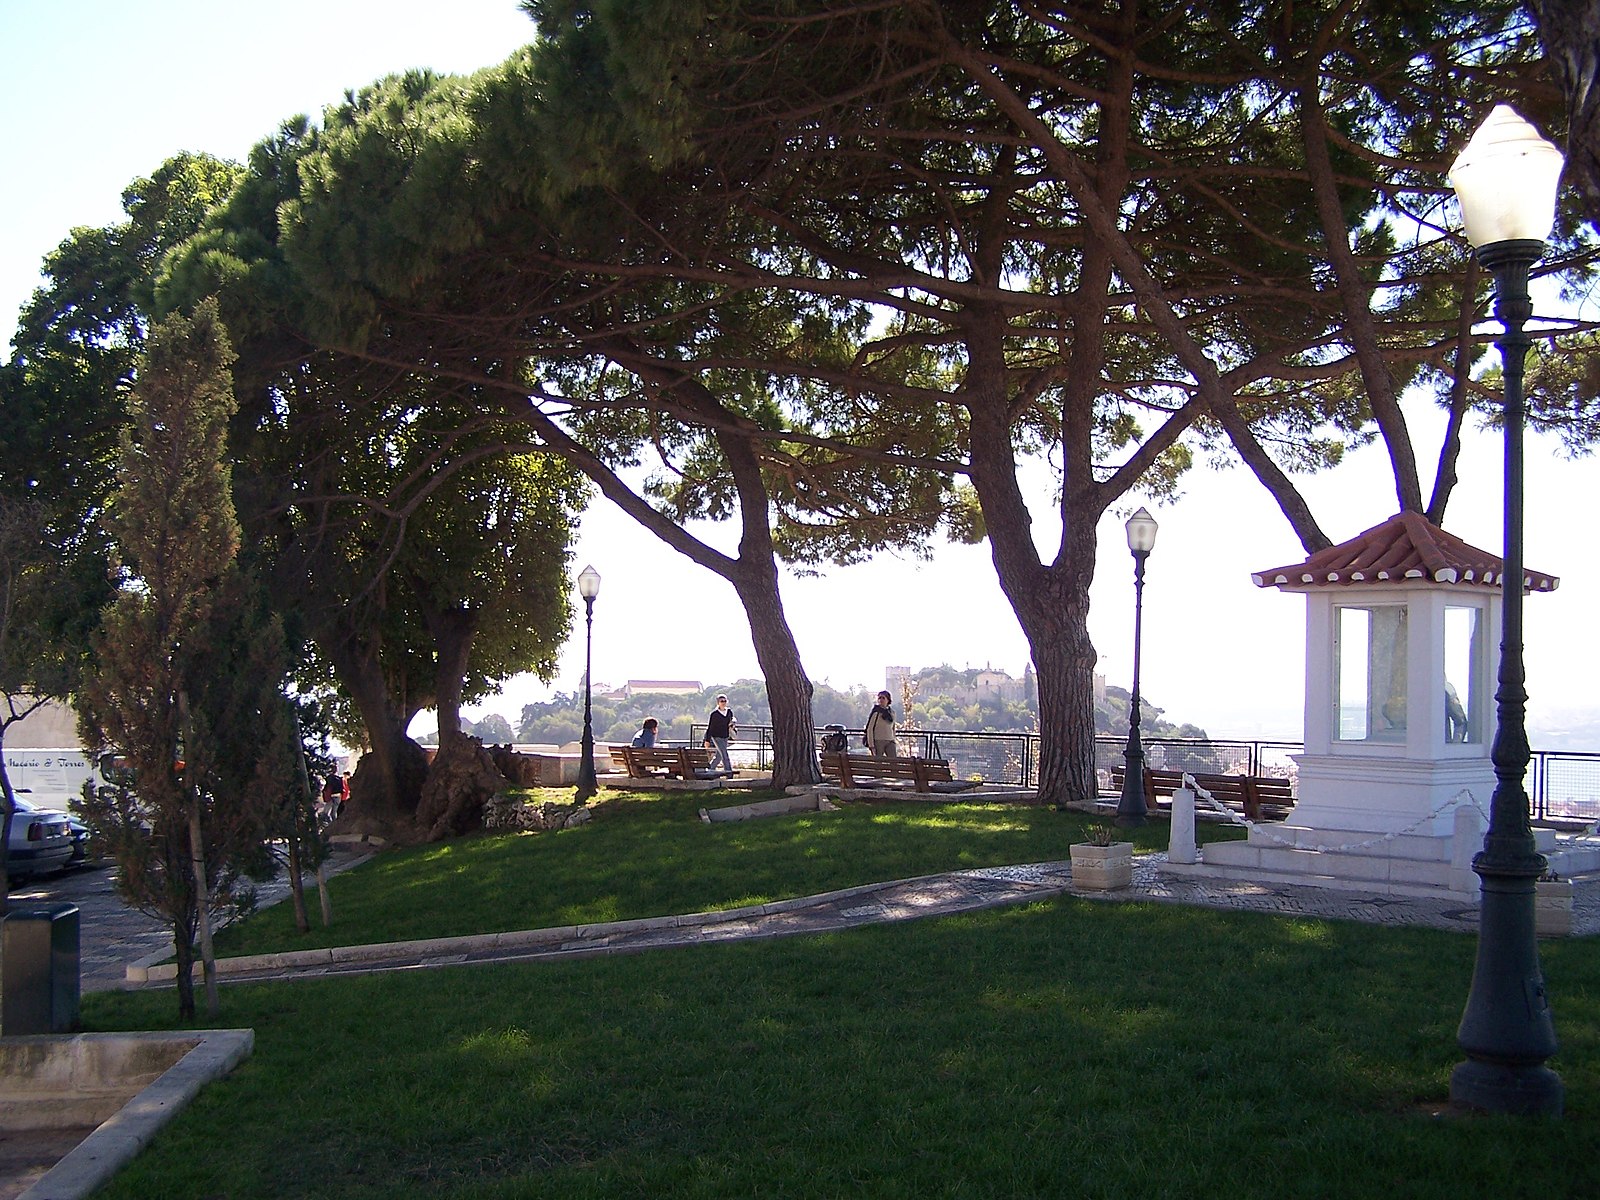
[1181, 845]
[40, 989]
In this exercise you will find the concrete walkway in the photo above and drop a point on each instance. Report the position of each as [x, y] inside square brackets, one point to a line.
[900, 900]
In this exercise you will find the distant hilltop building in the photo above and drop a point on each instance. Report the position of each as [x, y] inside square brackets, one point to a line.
[662, 687]
[985, 683]
[988, 683]
[996, 683]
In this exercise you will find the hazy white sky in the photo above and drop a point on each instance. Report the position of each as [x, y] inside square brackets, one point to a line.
[100, 93]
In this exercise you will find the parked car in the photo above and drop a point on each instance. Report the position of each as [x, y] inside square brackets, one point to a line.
[40, 842]
[78, 831]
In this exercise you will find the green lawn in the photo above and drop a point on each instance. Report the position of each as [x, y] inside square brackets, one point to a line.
[647, 854]
[1066, 1048]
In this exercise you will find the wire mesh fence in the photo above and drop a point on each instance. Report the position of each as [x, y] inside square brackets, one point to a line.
[1561, 784]
[1566, 785]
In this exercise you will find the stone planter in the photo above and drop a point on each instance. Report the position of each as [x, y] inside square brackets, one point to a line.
[1102, 868]
[1552, 907]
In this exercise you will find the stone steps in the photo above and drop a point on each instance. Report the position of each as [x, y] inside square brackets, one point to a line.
[1379, 868]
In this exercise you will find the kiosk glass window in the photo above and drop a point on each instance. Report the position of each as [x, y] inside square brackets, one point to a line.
[1465, 673]
[1370, 672]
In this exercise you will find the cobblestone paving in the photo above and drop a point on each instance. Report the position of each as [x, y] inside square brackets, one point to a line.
[110, 934]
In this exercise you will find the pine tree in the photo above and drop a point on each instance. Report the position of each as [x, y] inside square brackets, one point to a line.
[187, 683]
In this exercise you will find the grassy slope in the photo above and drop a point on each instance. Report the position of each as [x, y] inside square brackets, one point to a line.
[1066, 1048]
[647, 854]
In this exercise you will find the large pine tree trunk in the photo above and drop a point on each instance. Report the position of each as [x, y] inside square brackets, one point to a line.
[1052, 606]
[1065, 662]
[755, 578]
[753, 573]
[387, 786]
[794, 750]
[452, 634]
[1570, 31]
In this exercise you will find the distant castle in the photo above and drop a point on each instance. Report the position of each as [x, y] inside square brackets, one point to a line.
[973, 685]
[968, 685]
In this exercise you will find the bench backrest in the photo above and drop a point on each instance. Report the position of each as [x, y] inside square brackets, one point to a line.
[1247, 792]
[845, 768]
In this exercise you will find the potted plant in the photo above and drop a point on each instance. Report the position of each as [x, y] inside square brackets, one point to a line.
[1102, 863]
[1552, 905]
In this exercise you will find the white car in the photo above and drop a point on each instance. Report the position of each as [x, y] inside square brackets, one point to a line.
[78, 831]
[40, 842]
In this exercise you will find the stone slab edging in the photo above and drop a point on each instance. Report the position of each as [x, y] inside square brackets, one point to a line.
[152, 970]
[781, 806]
[93, 1161]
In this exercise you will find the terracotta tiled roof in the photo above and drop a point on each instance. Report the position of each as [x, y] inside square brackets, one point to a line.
[1406, 546]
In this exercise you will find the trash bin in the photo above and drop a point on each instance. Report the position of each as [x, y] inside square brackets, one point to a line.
[40, 988]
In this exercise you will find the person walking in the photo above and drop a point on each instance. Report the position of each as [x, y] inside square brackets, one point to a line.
[332, 799]
[719, 728]
[879, 733]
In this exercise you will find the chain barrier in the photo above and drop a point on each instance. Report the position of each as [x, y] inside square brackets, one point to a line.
[1263, 832]
[1259, 831]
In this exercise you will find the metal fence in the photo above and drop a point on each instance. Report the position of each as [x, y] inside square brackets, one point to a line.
[751, 749]
[1203, 757]
[1565, 784]
[1561, 784]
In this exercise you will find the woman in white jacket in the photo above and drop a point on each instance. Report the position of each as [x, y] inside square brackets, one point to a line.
[879, 733]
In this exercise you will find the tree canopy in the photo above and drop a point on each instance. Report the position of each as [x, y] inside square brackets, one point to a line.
[842, 273]
[835, 251]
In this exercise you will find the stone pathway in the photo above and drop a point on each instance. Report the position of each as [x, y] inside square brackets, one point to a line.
[901, 900]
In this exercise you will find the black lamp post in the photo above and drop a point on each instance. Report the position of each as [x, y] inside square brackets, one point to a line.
[1131, 809]
[1506, 182]
[588, 588]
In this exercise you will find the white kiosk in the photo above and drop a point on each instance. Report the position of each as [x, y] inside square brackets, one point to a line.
[1402, 632]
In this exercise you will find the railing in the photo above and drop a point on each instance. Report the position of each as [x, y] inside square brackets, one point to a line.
[1562, 784]
[752, 748]
[1200, 756]
[1565, 785]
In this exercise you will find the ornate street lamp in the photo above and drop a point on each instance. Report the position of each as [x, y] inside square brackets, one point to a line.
[1506, 182]
[588, 588]
[1131, 809]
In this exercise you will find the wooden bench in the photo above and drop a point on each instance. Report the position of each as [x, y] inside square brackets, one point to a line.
[857, 770]
[671, 762]
[1259, 797]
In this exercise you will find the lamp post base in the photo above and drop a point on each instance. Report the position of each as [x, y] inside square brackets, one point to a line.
[1519, 1091]
[1131, 808]
[588, 784]
[1507, 1031]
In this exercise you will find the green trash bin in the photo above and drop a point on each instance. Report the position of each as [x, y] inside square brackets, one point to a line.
[40, 992]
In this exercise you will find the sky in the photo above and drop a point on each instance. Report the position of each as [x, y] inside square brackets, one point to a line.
[101, 93]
